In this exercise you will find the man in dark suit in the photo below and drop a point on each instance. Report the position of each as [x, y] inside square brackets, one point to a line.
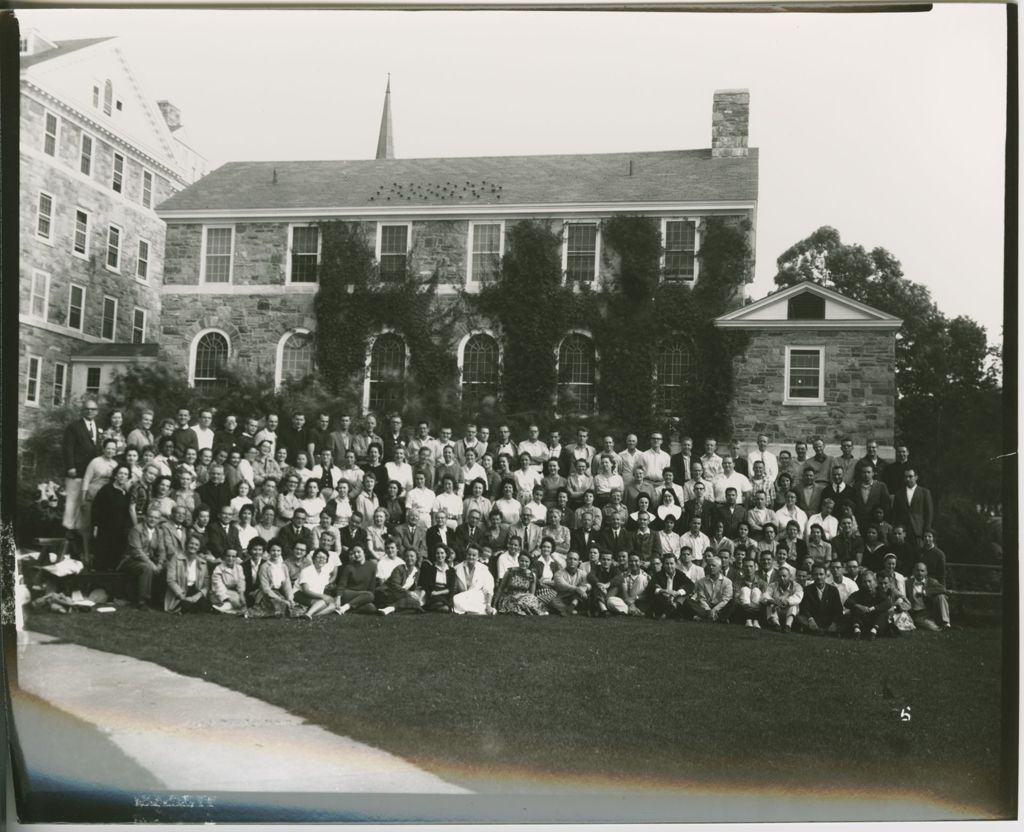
[439, 534]
[867, 494]
[838, 491]
[411, 534]
[170, 537]
[139, 560]
[215, 493]
[668, 590]
[614, 538]
[340, 440]
[582, 538]
[730, 514]
[295, 438]
[469, 533]
[393, 437]
[223, 534]
[913, 507]
[894, 473]
[295, 532]
[227, 436]
[353, 535]
[821, 610]
[80, 445]
[570, 453]
[808, 492]
[700, 506]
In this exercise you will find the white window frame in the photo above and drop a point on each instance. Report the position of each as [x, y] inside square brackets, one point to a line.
[471, 283]
[279, 354]
[386, 330]
[145, 321]
[82, 155]
[597, 251]
[820, 400]
[48, 239]
[106, 252]
[82, 255]
[380, 241]
[108, 100]
[61, 368]
[147, 203]
[461, 358]
[81, 317]
[193, 347]
[114, 174]
[140, 259]
[696, 248]
[93, 391]
[45, 295]
[56, 134]
[38, 378]
[202, 255]
[103, 319]
[586, 333]
[288, 256]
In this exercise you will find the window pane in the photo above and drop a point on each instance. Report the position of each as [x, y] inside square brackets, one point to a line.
[147, 188]
[109, 318]
[75, 307]
[675, 369]
[297, 357]
[680, 245]
[393, 251]
[139, 326]
[117, 183]
[576, 373]
[479, 370]
[804, 369]
[582, 250]
[108, 96]
[114, 247]
[39, 287]
[305, 241]
[211, 357]
[218, 255]
[92, 381]
[486, 251]
[50, 139]
[32, 393]
[59, 382]
[45, 216]
[81, 232]
[142, 262]
[86, 160]
[387, 373]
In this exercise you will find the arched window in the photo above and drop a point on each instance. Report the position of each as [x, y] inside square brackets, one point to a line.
[675, 370]
[576, 367]
[387, 373]
[479, 370]
[294, 356]
[108, 97]
[211, 356]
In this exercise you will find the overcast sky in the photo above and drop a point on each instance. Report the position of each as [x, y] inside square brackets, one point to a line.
[890, 127]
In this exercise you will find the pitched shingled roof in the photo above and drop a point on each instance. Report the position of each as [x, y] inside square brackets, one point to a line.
[664, 176]
[63, 48]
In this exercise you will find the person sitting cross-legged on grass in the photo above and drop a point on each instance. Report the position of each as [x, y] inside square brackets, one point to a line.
[668, 591]
[782, 599]
[600, 579]
[571, 586]
[821, 610]
[515, 594]
[437, 580]
[314, 584]
[355, 584]
[747, 594]
[227, 584]
[869, 606]
[928, 600]
[274, 597]
[474, 585]
[628, 592]
[188, 580]
[711, 599]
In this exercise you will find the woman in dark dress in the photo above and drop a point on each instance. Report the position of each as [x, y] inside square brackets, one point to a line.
[112, 520]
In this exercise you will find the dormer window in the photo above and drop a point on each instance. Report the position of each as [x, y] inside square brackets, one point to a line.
[807, 306]
[108, 97]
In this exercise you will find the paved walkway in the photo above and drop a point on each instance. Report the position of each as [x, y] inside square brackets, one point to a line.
[186, 734]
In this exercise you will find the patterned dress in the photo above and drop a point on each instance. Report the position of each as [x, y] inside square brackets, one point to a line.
[517, 598]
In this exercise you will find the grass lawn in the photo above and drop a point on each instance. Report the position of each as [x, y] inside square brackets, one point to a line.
[555, 704]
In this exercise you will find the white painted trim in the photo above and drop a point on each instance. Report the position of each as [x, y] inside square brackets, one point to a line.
[380, 239]
[192, 351]
[29, 358]
[81, 152]
[56, 136]
[288, 252]
[78, 360]
[597, 252]
[461, 356]
[369, 355]
[696, 249]
[248, 289]
[59, 329]
[142, 188]
[71, 289]
[841, 325]
[106, 251]
[74, 233]
[46, 296]
[395, 214]
[124, 171]
[807, 286]
[64, 384]
[586, 333]
[820, 400]
[471, 284]
[202, 255]
[39, 213]
[279, 353]
[145, 322]
[113, 329]
[144, 279]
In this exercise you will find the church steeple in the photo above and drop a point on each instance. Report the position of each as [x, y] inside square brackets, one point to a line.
[386, 140]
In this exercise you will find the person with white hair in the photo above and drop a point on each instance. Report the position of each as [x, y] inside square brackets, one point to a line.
[782, 600]
[711, 599]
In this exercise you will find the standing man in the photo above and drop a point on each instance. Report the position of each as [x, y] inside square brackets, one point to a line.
[581, 450]
[294, 437]
[872, 458]
[655, 461]
[846, 460]
[628, 460]
[269, 434]
[867, 494]
[204, 431]
[394, 438]
[184, 436]
[893, 475]
[820, 462]
[913, 507]
[79, 447]
[469, 442]
[340, 440]
[762, 454]
[712, 461]
[142, 436]
[319, 435]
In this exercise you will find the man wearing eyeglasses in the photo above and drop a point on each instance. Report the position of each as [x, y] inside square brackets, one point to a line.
[80, 446]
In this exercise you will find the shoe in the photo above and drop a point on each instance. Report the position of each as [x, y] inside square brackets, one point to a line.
[786, 628]
[340, 611]
[872, 634]
[756, 624]
[698, 619]
[856, 631]
[749, 623]
[946, 626]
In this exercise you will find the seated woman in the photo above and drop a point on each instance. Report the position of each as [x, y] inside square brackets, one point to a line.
[188, 580]
[377, 534]
[667, 541]
[227, 585]
[131, 461]
[356, 582]
[313, 586]
[301, 467]
[275, 597]
[558, 533]
[643, 505]
[511, 509]
[477, 500]
[267, 528]
[185, 495]
[242, 497]
[255, 554]
[450, 501]
[515, 594]
[768, 543]
[437, 581]
[393, 504]
[246, 530]
[312, 502]
[607, 480]
[525, 477]
[817, 547]
[340, 508]
[579, 483]
[287, 499]
[546, 566]
[399, 592]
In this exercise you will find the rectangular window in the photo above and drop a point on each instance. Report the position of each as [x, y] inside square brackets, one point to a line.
[92, 381]
[218, 245]
[139, 326]
[76, 308]
[50, 134]
[680, 249]
[109, 328]
[60, 382]
[96, 96]
[147, 189]
[393, 251]
[581, 251]
[142, 261]
[32, 381]
[805, 375]
[485, 251]
[117, 182]
[40, 300]
[81, 244]
[44, 221]
[305, 253]
[85, 156]
[114, 248]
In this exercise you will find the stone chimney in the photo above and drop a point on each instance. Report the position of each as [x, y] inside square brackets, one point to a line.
[171, 114]
[730, 122]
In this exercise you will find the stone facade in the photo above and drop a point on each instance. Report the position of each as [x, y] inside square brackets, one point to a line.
[859, 389]
[730, 123]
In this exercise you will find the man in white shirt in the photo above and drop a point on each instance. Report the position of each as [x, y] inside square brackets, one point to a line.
[826, 519]
[423, 439]
[655, 461]
[628, 459]
[386, 565]
[695, 539]
[474, 586]
[729, 478]
[203, 431]
[837, 577]
[269, 433]
[692, 570]
[712, 462]
[537, 450]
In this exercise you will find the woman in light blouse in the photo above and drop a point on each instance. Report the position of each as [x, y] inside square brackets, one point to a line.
[242, 498]
[312, 502]
[377, 534]
[287, 499]
[115, 431]
[313, 582]
[607, 480]
[274, 597]
[246, 530]
[162, 498]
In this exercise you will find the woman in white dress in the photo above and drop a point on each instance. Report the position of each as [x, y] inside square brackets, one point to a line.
[313, 582]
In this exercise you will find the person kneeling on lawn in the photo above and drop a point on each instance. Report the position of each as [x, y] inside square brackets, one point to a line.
[712, 595]
[782, 599]
[628, 592]
[928, 601]
[188, 580]
[313, 584]
[821, 611]
[227, 584]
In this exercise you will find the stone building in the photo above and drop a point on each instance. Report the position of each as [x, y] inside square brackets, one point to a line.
[243, 247]
[97, 156]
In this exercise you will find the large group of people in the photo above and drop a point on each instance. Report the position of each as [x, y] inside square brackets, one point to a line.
[261, 516]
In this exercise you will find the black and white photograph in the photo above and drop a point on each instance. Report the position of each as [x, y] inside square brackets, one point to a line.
[511, 416]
